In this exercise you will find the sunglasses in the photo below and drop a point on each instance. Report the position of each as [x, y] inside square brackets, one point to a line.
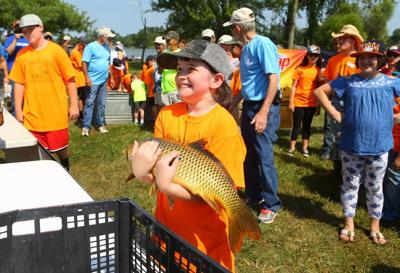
[314, 55]
[392, 55]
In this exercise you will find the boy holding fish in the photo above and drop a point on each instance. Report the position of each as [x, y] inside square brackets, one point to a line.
[211, 222]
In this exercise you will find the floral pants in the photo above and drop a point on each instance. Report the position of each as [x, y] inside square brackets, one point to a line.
[369, 170]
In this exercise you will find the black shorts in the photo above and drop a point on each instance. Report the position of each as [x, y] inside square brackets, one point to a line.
[150, 101]
[83, 92]
[139, 105]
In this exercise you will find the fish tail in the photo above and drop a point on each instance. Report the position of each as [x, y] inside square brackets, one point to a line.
[130, 177]
[244, 224]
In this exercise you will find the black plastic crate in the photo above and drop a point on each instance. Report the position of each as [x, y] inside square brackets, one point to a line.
[95, 237]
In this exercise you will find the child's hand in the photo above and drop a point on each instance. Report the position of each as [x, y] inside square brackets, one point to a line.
[144, 157]
[291, 107]
[165, 171]
[396, 118]
[337, 116]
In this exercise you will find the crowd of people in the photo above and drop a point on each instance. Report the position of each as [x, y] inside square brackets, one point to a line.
[225, 93]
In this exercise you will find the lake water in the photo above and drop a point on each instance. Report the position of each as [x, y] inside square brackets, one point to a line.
[136, 53]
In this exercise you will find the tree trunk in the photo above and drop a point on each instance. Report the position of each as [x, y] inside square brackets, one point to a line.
[291, 22]
[144, 42]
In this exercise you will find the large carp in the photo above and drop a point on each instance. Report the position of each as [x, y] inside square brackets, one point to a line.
[203, 175]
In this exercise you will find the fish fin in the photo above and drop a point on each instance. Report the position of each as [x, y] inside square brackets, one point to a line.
[130, 177]
[171, 201]
[244, 224]
[212, 203]
[153, 189]
[199, 145]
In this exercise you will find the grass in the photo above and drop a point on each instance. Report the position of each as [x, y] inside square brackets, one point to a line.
[303, 237]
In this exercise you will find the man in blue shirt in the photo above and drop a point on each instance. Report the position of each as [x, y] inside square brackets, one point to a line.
[95, 65]
[14, 43]
[259, 74]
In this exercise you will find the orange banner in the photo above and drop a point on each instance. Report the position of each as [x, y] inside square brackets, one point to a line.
[289, 59]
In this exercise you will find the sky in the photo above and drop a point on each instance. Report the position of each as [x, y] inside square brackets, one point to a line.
[124, 16]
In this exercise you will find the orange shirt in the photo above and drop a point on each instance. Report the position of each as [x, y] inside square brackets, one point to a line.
[44, 73]
[126, 82]
[197, 222]
[149, 81]
[76, 60]
[306, 77]
[340, 65]
[144, 69]
[117, 77]
[236, 84]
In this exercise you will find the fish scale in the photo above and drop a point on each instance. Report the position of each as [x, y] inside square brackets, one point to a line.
[203, 175]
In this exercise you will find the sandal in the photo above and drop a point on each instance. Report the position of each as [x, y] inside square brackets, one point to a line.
[346, 235]
[378, 238]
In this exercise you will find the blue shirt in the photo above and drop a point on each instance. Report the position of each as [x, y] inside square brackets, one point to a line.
[368, 113]
[258, 58]
[21, 43]
[97, 57]
[3, 52]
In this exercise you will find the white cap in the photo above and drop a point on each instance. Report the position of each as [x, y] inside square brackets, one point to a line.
[208, 33]
[224, 38]
[105, 31]
[242, 15]
[160, 40]
[67, 38]
[30, 20]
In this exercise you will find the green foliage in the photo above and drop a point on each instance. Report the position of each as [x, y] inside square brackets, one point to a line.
[375, 23]
[57, 16]
[395, 37]
[189, 18]
[346, 14]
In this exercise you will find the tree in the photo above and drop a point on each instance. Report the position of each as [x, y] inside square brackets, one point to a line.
[395, 37]
[191, 17]
[375, 21]
[57, 16]
[291, 22]
[346, 14]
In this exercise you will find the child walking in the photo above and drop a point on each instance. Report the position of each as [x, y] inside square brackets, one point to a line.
[366, 138]
[303, 102]
[202, 69]
[139, 99]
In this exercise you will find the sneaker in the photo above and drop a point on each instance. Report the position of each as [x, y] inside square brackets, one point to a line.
[85, 132]
[326, 156]
[267, 216]
[103, 130]
[290, 152]
[305, 153]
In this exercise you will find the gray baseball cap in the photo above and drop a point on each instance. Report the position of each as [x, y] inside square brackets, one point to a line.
[208, 52]
[30, 20]
[242, 15]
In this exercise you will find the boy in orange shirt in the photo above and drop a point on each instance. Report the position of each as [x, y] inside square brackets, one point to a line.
[42, 74]
[76, 60]
[201, 85]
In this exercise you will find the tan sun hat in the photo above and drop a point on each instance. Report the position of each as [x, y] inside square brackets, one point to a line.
[349, 30]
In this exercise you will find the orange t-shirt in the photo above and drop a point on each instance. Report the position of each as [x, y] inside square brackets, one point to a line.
[197, 222]
[117, 77]
[44, 74]
[76, 60]
[306, 83]
[144, 69]
[126, 82]
[340, 65]
[149, 81]
[236, 84]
